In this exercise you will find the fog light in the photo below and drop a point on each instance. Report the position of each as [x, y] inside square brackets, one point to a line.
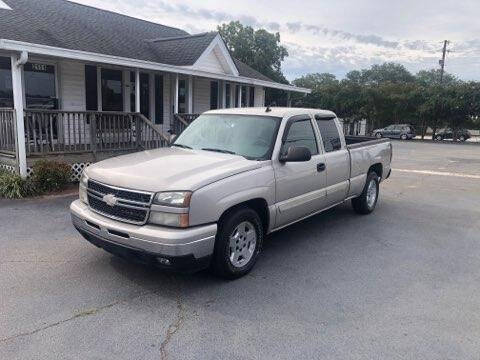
[163, 261]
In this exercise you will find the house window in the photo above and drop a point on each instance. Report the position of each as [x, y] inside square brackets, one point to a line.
[213, 95]
[251, 97]
[91, 93]
[237, 90]
[228, 94]
[158, 99]
[6, 91]
[182, 96]
[244, 96]
[112, 90]
[132, 91]
[145, 94]
[40, 86]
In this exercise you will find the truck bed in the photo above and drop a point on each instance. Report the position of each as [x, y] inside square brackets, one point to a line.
[354, 142]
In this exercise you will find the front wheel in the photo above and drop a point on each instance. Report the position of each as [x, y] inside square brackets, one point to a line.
[404, 137]
[366, 202]
[438, 138]
[238, 243]
[462, 138]
[378, 135]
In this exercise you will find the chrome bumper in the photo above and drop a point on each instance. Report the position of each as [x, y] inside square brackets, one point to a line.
[155, 240]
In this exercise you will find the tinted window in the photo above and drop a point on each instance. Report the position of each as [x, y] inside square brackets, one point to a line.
[112, 92]
[91, 87]
[158, 99]
[6, 93]
[213, 95]
[39, 86]
[301, 133]
[330, 135]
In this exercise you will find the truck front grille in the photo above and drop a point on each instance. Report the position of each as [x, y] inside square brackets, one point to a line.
[128, 205]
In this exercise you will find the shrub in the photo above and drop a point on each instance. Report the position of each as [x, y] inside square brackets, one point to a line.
[50, 176]
[12, 186]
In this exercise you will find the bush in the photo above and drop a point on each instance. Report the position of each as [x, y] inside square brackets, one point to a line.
[12, 186]
[50, 176]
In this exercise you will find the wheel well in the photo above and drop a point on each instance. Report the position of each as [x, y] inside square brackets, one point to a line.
[259, 205]
[377, 168]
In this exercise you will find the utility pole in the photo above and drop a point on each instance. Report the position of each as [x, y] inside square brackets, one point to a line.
[442, 61]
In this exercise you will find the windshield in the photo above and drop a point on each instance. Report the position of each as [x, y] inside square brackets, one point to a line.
[247, 135]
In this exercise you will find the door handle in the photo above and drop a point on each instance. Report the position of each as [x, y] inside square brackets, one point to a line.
[321, 167]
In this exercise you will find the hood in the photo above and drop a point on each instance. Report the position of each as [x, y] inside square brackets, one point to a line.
[168, 169]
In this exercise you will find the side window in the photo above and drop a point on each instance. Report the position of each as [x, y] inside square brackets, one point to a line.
[330, 135]
[301, 133]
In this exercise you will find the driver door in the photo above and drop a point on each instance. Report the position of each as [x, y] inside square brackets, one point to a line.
[300, 186]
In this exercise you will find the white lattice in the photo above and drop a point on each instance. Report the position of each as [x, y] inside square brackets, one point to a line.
[77, 169]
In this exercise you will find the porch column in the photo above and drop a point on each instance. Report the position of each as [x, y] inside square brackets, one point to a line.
[190, 94]
[224, 94]
[175, 95]
[240, 96]
[137, 90]
[18, 101]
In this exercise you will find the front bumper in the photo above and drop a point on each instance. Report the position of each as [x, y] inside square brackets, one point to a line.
[179, 249]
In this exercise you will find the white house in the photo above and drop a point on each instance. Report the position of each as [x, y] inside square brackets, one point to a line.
[80, 83]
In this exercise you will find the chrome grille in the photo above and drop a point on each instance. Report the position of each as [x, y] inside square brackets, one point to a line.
[129, 206]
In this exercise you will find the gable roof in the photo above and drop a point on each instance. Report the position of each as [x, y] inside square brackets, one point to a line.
[66, 25]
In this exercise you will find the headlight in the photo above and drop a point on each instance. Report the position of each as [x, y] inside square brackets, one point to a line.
[168, 219]
[82, 188]
[173, 198]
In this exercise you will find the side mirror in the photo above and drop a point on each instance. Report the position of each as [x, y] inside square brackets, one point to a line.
[296, 154]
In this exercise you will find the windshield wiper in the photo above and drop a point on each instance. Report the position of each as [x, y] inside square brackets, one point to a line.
[220, 151]
[182, 146]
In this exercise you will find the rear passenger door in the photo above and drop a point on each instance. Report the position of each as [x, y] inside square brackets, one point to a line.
[337, 159]
[300, 186]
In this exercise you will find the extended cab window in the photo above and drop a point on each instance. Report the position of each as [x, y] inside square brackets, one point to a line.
[300, 133]
[330, 135]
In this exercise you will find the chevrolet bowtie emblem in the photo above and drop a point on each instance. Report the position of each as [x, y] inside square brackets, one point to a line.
[110, 199]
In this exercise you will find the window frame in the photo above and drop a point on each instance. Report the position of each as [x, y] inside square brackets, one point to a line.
[288, 125]
[320, 117]
[34, 60]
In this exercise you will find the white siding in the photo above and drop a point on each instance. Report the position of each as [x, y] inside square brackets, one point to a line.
[72, 85]
[211, 63]
[259, 96]
[201, 95]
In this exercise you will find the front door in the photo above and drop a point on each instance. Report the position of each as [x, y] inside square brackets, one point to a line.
[300, 186]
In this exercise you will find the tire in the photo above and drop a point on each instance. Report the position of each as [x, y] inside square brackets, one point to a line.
[438, 137]
[364, 204]
[462, 138]
[404, 137]
[238, 243]
[378, 135]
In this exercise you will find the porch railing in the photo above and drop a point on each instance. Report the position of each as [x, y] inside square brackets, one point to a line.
[181, 121]
[7, 131]
[58, 131]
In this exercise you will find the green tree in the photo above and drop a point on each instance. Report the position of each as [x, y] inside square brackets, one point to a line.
[259, 49]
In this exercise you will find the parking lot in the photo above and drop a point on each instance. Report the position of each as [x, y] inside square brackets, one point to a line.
[402, 283]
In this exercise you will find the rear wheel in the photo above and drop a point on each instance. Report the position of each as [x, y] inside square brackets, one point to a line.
[404, 137]
[462, 138]
[366, 202]
[438, 138]
[238, 243]
[378, 135]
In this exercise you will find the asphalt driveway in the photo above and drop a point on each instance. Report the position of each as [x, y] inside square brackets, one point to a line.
[402, 283]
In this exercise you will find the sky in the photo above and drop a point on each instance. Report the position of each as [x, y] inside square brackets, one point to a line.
[336, 36]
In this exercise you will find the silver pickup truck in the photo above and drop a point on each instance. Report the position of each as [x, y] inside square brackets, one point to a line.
[232, 177]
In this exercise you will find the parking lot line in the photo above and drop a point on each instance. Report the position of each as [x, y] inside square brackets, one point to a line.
[440, 173]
